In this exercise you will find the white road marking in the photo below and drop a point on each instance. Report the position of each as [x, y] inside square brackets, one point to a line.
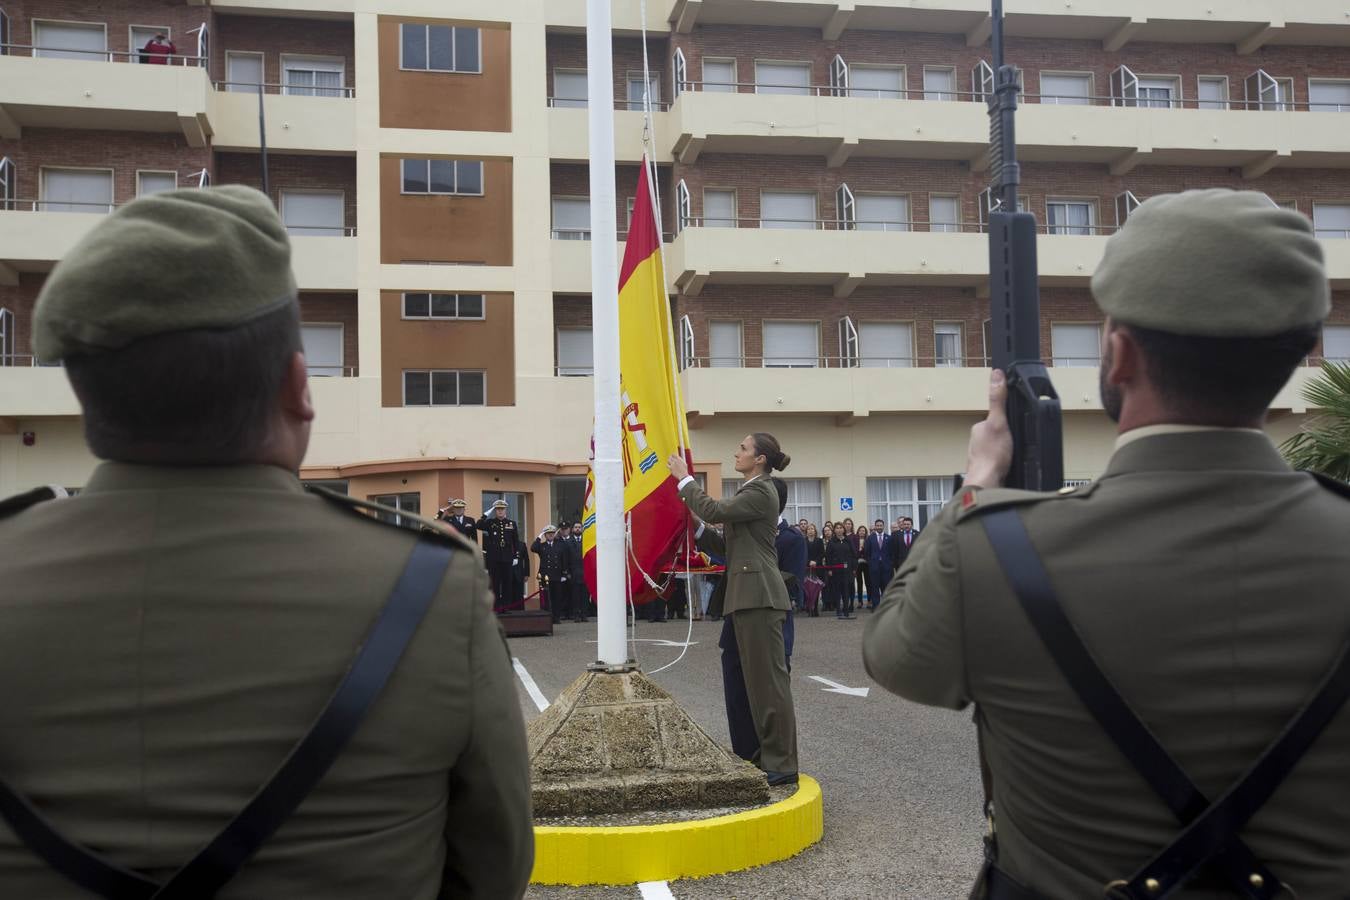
[530, 687]
[655, 890]
[837, 688]
[660, 642]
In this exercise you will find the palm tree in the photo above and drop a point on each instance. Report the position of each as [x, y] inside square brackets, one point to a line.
[1323, 443]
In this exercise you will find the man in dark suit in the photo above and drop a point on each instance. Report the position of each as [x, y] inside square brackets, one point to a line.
[901, 541]
[576, 573]
[877, 551]
[455, 518]
[553, 571]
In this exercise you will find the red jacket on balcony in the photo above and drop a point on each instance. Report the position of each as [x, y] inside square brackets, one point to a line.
[158, 50]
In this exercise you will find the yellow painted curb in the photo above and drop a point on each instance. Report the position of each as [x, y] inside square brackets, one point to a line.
[629, 854]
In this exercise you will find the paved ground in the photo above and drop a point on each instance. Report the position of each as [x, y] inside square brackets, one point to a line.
[901, 785]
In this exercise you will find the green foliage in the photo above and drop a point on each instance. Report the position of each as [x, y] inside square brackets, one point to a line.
[1323, 444]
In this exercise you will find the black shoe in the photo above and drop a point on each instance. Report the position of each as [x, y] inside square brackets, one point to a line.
[778, 778]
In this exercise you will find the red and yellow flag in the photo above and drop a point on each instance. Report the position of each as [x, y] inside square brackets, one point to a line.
[653, 420]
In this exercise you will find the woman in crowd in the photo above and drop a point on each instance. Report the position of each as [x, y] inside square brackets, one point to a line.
[826, 595]
[815, 551]
[840, 559]
[858, 539]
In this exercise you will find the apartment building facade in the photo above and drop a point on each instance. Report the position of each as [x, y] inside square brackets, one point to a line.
[822, 176]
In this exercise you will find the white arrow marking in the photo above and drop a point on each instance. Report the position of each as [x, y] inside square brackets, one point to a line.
[530, 687]
[660, 642]
[837, 688]
[655, 890]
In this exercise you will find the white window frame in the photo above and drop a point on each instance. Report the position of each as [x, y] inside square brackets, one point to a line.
[815, 216]
[838, 77]
[904, 361]
[93, 208]
[795, 510]
[339, 231]
[397, 505]
[982, 81]
[1089, 202]
[940, 95]
[1068, 100]
[342, 349]
[1340, 329]
[905, 225]
[845, 208]
[849, 343]
[1126, 203]
[558, 102]
[93, 54]
[139, 172]
[5, 33]
[1265, 83]
[482, 178]
[901, 93]
[679, 73]
[203, 44]
[431, 317]
[687, 351]
[9, 186]
[454, 69]
[1124, 87]
[763, 350]
[927, 496]
[720, 87]
[791, 92]
[735, 207]
[740, 345]
[1329, 233]
[1074, 362]
[960, 360]
[1173, 86]
[683, 211]
[403, 385]
[1225, 103]
[573, 234]
[1314, 107]
[572, 371]
[7, 334]
[944, 227]
[247, 88]
[320, 64]
[133, 49]
[653, 87]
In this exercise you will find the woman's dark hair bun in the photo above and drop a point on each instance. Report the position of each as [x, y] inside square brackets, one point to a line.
[783, 460]
[766, 445]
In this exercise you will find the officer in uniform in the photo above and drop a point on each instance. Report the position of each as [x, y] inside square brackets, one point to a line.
[1135, 645]
[576, 574]
[178, 626]
[553, 571]
[453, 515]
[500, 537]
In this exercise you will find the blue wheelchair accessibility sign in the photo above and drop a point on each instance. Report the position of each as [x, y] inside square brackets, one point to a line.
[846, 504]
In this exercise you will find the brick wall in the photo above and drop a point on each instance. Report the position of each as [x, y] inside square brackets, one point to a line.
[568, 51]
[749, 174]
[122, 151]
[567, 180]
[334, 307]
[118, 17]
[914, 50]
[273, 37]
[287, 172]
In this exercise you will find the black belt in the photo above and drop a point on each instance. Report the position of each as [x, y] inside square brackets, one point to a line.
[301, 771]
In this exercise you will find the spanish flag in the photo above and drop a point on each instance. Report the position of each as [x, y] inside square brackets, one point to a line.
[653, 420]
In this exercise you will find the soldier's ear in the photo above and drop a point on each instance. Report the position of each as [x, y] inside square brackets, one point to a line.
[1122, 360]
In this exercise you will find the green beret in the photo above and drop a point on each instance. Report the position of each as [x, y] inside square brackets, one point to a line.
[174, 261]
[1214, 263]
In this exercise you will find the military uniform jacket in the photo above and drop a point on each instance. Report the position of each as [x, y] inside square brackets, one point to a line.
[552, 559]
[169, 635]
[749, 528]
[464, 525]
[1211, 584]
[576, 561]
[500, 537]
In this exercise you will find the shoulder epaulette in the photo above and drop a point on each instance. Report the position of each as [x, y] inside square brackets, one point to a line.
[1335, 485]
[382, 515]
[12, 506]
[972, 503]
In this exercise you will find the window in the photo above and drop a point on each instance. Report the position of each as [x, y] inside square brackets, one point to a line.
[885, 345]
[791, 345]
[635, 91]
[939, 83]
[155, 182]
[575, 352]
[7, 357]
[982, 81]
[443, 306]
[724, 345]
[444, 387]
[408, 503]
[805, 499]
[1291, 205]
[1336, 343]
[243, 71]
[787, 209]
[944, 213]
[1066, 89]
[443, 176]
[719, 75]
[440, 48]
[336, 485]
[313, 76]
[877, 82]
[719, 208]
[1126, 203]
[1070, 217]
[1158, 92]
[1328, 96]
[947, 345]
[571, 218]
[70, 40]
[313, 213]
[729, 487]
[8, 183]
[1076, 346]
[569, 88]
[1213, 91]
[783, 78]
[1331, 220]
[1265, 91]
[1286, 93]
[881, 212]
[76, 190]
[140, 35]
[918, 498]
[4, 34]
[987, 337]
[323, 349]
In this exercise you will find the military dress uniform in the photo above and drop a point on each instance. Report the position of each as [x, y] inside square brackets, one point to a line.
[500, 537]
[456, 519]
[553, 573]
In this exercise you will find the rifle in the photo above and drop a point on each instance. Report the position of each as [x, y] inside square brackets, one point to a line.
[1015, 304]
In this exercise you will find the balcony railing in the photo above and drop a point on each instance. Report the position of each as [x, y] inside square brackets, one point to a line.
[896, 226]
[893, 362]
[321, 230]
[289, 90]
[621, 105]
[584, 234]
[133, 56]
[25, 360]
[103, 208]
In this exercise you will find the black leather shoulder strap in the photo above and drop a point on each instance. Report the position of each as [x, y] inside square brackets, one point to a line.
[12, 506]
[1336, 486]
[297, 776]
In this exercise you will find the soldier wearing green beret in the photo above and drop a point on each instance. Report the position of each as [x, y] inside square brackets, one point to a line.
[1133, 646]
[172, 633]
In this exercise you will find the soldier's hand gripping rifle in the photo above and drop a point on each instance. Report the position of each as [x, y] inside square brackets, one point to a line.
[1033, 405]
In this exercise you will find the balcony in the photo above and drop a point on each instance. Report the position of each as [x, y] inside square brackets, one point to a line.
[569, 135]
[29, 391]
[104, 92]
[325, 263]
[295, 123]
[837, 128]
[850, 259]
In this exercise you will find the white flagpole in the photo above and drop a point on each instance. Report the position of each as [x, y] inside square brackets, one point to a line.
[611, 571]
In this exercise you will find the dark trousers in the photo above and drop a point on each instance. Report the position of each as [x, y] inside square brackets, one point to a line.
[740, 722]
[581, 597]
[839, 584]
[878, 576]
[502, 577]
[860, 579]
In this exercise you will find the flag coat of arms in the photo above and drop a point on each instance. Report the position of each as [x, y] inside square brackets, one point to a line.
[651, 417]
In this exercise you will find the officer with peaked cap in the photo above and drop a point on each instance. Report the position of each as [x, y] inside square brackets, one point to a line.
[179, 626]
[500, 540]
[453, 515]
[1170, 618]
[553, 571]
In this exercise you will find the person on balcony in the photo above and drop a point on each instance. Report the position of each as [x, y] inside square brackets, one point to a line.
[158, 49]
